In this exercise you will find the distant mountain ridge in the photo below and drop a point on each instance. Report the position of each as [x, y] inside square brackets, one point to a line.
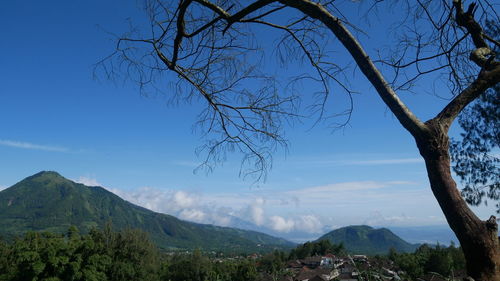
[432, 234]
[47, 201]
[363, 239]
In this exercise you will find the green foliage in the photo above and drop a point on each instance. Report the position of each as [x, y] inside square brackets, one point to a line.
[196, 267]
[107, 255]
[4, 253]
[443, 260]
[49, 202]
[321, 247]
[410, 263]
[101, 255]
[273, 262]
[189, 267]
[245, 271]
[364, 239]
[475, 154]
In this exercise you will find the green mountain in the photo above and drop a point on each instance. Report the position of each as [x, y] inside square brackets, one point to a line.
[363, 239]
[49, 202]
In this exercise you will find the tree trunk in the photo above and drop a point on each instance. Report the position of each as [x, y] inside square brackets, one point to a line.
[479, 239]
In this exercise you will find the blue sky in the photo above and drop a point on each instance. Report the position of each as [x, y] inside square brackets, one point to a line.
[54, 115]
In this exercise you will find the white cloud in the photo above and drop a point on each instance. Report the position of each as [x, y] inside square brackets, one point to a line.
[257, 215]
[301, 223]
[221, 216]
[162, 201]
[194, 207]
[255, 211]
[343, 201]
[182, 204]
[378, 218]
[88, 181]
[360, 162]
[325, 189]
[336, 204]
[189, 164]
[182, 199]
[386, 161]
[309, 224]
[192, 215]
[281, 224]
[27, 145]
[332, 189]
[2, 187]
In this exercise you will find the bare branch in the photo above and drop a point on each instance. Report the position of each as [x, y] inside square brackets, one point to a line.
[404, 115]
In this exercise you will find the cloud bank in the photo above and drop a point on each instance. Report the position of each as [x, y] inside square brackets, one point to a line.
[307, 211]
[27, 145]
[88, 181]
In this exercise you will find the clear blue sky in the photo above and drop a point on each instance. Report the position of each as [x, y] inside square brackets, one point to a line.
[55, 116]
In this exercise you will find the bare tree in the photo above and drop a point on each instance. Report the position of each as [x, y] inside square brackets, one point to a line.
[210, 51]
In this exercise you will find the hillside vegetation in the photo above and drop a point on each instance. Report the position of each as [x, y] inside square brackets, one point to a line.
[49, 202]
[363, 239]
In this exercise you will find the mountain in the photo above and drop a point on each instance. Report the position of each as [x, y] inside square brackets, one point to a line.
[49, 202]
[431, 234]
[363, 239]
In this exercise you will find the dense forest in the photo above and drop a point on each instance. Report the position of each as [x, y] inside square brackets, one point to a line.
[130, 255]
[447, 261]
[110, 255]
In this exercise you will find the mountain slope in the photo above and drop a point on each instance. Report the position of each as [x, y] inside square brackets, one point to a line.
[49, 202]
[363, 239]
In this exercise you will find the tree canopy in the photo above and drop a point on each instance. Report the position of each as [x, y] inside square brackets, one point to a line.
[215, 52]
[476, 153]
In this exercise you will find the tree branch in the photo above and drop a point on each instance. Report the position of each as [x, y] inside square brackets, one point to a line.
[180, 32]
[483, 56]
[485, 80]
[400, 110]
[239, 15]
[466, 20]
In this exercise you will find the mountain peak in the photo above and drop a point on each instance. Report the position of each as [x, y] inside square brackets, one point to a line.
[359, 227]
[363, 239]
[45, 185]
[47, 177]
[47, 174]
